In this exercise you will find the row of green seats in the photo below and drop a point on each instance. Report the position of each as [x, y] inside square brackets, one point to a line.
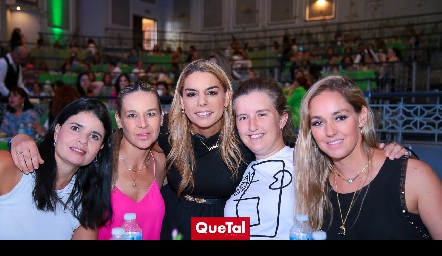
[67, 78]
[360, 77]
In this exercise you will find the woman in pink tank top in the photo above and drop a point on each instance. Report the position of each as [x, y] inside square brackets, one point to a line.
[138, 171]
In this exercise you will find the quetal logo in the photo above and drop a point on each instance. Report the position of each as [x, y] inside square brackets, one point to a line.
[220, 228]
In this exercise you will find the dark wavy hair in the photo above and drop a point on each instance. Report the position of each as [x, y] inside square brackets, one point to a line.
[78, 84]
[20, 91]
[117, 81]
[91, 194]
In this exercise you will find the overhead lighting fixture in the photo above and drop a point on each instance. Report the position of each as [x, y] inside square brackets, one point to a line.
[18, 8]
[321, 2]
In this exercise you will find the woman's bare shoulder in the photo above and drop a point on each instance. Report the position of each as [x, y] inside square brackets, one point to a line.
[421, 175]
[9, 174]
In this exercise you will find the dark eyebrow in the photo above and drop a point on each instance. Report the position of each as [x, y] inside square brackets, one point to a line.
[209, 88]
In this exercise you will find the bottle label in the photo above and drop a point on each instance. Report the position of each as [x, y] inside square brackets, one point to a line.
[301, 237]
[134, 236]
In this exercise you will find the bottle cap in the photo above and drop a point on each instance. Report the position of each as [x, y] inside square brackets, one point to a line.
[117, 231]
[302, 217]
[319, 235]
[130, 216]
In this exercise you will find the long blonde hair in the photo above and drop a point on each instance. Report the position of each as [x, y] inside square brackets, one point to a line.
[180, 137]
[311, 164]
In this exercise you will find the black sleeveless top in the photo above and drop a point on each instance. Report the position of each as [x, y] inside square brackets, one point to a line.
[11, 79]
[381, 208]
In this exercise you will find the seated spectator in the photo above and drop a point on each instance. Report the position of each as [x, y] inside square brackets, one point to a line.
[163, 89]
[19, 111]
[138, 71]
[86, 87]
[221, 60]
[114, 70]
[122, 80]
[43, 67]
[296, 91]
[347, 63]
[72, 47]
[176, 59]
[156, 50]
[155, 75]
[63, 96]
[192, 54]
[331, 57]
[108, 87]
[393, 72]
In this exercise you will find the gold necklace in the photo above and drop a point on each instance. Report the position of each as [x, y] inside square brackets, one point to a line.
[212, 147]
[343, 220]
[134, 184]
[350, 180]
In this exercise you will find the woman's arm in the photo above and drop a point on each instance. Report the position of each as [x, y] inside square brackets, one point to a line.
[423, 195]
[9, 174]
[25, 153]
[82, 233]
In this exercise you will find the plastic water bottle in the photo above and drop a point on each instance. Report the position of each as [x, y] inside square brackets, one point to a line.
[29, 130]
[301, 230]
[118, 234]
[131, 228]
[48, 88]
[21, 128]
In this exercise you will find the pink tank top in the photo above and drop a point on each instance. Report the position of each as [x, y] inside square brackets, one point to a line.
[150, 212]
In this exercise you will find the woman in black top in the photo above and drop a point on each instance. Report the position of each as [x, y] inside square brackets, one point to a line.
[205, 158]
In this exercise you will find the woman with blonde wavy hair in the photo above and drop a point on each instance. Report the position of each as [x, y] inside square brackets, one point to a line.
[205, 158]
[346, 185]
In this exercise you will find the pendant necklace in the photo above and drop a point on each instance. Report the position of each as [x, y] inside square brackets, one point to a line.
[212, 147]
[343, 220]
[134, 183]
[350, 180]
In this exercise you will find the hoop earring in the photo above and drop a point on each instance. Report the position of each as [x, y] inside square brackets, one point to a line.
[95, 159]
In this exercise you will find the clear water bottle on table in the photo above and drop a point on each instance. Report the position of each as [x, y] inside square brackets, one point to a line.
[301, 230]
[22, 128]
[131, 228]
[118, 234]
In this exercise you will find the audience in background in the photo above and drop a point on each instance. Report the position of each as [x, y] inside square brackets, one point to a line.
[62, 97]
[20, 111]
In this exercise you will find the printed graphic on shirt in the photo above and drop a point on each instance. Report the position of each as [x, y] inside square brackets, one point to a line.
[251, 195]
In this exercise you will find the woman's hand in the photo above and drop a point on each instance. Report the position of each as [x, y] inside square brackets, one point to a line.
[25, 153]
[394, 150]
